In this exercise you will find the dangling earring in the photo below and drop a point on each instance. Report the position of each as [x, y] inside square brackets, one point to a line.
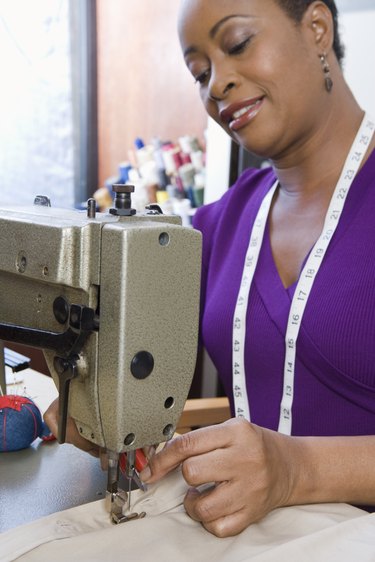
[326, 69]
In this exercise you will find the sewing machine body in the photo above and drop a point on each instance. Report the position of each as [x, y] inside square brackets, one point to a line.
[138, 278]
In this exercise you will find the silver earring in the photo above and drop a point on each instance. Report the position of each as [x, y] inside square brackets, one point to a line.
[327, 72]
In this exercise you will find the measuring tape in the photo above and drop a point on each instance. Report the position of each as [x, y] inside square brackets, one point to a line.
[303, 288]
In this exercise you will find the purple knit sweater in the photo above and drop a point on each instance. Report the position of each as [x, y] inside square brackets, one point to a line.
[335, 366]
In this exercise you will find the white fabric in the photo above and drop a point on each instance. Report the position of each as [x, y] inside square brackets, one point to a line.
[334, 532]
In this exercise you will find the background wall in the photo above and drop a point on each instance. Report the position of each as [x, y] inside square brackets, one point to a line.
[36, 102]
[144, 88]
[357, 24]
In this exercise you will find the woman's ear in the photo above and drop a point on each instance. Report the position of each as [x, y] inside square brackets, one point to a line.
[319, 21]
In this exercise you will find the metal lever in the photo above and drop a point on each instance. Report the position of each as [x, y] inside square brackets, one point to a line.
[82, 322]
[66, 370]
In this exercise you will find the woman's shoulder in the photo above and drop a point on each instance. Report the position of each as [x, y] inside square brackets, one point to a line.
[247, 192]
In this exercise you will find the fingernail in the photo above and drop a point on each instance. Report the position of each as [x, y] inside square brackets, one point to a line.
[150, 451]
[192, 492]
[145, 475]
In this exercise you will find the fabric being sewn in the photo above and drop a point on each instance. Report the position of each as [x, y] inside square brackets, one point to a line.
[335, 532]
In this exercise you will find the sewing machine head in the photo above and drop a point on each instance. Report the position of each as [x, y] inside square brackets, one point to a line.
[113, 300]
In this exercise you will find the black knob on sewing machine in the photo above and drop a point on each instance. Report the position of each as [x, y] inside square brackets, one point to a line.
[142, 365]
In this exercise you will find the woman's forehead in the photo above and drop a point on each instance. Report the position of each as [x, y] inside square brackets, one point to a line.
[188, 7]
[192, 12]
[198, 18]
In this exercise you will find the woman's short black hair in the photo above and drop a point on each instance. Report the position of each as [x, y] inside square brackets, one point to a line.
[296, 8]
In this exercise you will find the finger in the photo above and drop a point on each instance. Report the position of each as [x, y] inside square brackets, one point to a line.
[51, 416]
[229, 525]
[214, 509]
[213, 466]
[211, 504]
[184, 446]
[149, 451]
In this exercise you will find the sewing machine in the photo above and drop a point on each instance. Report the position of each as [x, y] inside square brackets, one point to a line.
[113, 300]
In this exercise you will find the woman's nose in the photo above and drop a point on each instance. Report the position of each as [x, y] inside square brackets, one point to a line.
[220, 85]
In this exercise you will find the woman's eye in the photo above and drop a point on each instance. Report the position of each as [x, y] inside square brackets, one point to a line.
[202, 77]
[239, 48]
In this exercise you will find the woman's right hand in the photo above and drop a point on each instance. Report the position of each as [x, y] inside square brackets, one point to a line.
[51, 417]
[249, 471]
[73, 436]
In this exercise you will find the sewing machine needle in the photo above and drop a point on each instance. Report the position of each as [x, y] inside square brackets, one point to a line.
[130, 461]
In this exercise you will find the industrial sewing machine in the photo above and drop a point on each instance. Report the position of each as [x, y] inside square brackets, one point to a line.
[113, 300]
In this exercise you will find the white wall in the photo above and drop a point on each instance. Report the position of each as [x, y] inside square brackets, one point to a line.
[36, 121]
[217, 162]
[357, 26]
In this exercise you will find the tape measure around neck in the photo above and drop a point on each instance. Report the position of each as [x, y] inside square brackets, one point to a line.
[303, 288]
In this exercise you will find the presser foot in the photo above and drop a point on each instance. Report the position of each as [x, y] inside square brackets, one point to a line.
[125, 518]
[115, 503]
[118, 501]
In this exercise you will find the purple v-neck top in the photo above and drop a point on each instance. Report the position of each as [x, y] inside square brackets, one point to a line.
[335, 364]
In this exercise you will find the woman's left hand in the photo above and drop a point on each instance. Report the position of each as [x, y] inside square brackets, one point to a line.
[249, 467]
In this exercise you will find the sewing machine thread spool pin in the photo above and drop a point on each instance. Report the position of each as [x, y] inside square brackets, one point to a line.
[123, 204]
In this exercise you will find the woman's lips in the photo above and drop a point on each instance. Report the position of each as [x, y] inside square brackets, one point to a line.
[239, 115]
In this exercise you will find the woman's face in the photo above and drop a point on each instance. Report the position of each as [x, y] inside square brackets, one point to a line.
[258, 73]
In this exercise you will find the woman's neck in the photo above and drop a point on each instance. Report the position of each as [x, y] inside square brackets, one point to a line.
[312, 170]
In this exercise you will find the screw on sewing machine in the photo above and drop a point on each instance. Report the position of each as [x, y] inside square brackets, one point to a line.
[61, 310]
[42, 201]
[129, 439]
[123, 204]
[21, 262]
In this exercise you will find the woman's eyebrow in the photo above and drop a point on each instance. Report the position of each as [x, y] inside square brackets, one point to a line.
[214, 30]
[216, 27]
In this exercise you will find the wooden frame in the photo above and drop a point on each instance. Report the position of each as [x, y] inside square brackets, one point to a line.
[199, 412]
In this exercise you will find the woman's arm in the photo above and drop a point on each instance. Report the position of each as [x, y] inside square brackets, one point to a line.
[334, 469]
[255, 470]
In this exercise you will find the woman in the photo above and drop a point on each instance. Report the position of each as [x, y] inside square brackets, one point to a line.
[269, 73]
